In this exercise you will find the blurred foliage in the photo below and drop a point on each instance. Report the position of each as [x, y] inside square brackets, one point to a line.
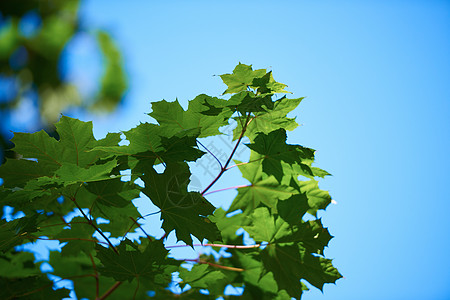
[33, 35]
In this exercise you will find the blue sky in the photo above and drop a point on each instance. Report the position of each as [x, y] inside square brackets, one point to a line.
[376, 76]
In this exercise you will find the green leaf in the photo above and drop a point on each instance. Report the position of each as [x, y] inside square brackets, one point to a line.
[273, 229]
[32, 288]
[182, 211]
[18, 264]
[241, 78]
[132, 263]
[267, 85]
[275, 150]
[150, 142]
[76, 141]
[17, 172]
[292, 209]
[79, 229]
[227, 225]
[262, 189]
[115, 205]
[257, 284]
[285, 263]
[69, 174]
[201, 276]
[266, 228]
[113, 192]
[270, 119]
[317, 198]
[172, 117]
[14, 232]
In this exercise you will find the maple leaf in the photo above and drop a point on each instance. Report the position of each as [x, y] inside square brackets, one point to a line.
[269, 120]
[172, 117]
[32, 287]
[79, 229]
[75, 142]
[201, 276]
[131, 263]
[18, 264]
[12, 233]
[275, 151]
[262, 189]
[241, 78]
[288, 254]
[182, 211]
[267, 85]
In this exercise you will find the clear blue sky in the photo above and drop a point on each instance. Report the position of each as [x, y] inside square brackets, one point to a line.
[377, 79]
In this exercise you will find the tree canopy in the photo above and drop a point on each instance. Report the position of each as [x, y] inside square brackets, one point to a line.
[78, 190]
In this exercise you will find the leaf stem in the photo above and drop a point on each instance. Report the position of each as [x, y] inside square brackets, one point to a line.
[215, 265]
[65, 239]
[245, 163]
[139, 225]
[111, 289]
[212, 154]
[94, 267]
[150, 214]
[62, 224]
[94, 226]
[224, 168]
[228, 188]
[218, 245]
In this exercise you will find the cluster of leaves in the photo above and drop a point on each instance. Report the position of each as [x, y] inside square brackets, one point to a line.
[77, 173]
[33, 36]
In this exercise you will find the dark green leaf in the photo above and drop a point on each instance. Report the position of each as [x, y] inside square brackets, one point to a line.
[78, 237]
[131, 263]
[182, 211]
[275, 150]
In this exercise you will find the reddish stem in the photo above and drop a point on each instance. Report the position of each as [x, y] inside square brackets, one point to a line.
[94, 226]
[111, 289]
[224, 168]
[228, 188]
[215, 265]
[218, 245]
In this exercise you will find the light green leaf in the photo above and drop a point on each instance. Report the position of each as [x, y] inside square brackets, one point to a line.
[262, 189]
[241, 78]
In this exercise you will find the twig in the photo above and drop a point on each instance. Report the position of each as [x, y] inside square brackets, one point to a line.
[224, 168]
[210, 153]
